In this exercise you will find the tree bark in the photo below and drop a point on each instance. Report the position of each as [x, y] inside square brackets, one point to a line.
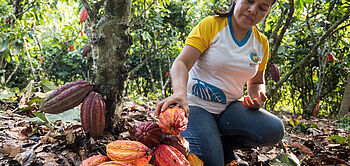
[345, 104]
[110, 39]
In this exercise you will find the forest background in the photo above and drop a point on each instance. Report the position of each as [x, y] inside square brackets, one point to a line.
[42, 44]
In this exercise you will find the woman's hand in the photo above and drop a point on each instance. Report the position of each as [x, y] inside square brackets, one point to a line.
[255, 102]
[173, 99]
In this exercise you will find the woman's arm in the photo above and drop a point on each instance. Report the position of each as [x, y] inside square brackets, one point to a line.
[179, 77]
[256, 91]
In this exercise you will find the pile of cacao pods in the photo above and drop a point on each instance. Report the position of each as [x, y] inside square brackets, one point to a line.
[155, 144]
[70, 95]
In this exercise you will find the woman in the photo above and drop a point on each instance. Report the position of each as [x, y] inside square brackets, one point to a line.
[221, 54]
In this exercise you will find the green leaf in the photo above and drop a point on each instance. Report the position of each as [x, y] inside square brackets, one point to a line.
[291, 122]
[338, 138]
[47, 86]
[3, 44]
[41, 116]
[285, 160]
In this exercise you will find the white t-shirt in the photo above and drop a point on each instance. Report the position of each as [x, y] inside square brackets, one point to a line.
[225, 65]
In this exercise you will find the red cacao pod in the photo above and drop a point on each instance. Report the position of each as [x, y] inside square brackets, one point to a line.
[115, 163]
[330, 58]
[166, 155]
[42, 59]
[149, 133]
[173, 120]
[275, 73]
[94, 160]
[83, 15]
[92, 114]
[86, 50]
[179, 142]
[66, 97]
[132, 152]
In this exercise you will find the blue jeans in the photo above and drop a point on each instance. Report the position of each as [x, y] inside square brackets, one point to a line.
[213, 137]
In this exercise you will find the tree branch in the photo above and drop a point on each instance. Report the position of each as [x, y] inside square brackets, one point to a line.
[273, 90]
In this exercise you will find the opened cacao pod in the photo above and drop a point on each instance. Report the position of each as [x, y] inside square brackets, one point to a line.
[66, 97]
[166, 155]
[173, 120]
[132, 152]
[149, 133]
[92, 114]
[94, 160]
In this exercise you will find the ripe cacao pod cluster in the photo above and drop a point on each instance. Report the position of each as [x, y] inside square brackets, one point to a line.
[70, 95]
[154, 144]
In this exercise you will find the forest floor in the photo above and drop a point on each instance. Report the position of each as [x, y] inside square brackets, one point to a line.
[60, 140]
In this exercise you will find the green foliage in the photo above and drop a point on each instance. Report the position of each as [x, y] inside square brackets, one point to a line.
[34, 29]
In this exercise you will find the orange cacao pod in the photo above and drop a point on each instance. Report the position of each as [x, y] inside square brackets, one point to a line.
[275, 73]
[166, 155]
[149, 133]
[94, 160]
[115, 163]
[132, 152]
[66, 97]
[92, 114]
[179, 142]
[194, 160]
[173, 120]
[83, 15]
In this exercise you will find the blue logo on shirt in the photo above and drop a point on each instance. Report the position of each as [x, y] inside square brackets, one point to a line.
[254, 57]
[208, 92]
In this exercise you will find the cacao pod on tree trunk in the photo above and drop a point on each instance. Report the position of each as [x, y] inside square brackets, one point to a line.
[92, 114]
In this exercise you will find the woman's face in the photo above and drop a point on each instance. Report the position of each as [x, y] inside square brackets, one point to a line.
[248, 13]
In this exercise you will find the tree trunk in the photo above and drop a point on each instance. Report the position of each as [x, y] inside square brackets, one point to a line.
[345, 104]
[110, 39]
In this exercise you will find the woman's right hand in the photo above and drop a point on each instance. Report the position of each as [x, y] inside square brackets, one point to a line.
[176, 98]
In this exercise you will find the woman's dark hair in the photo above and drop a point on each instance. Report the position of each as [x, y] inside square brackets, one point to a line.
[230, 11]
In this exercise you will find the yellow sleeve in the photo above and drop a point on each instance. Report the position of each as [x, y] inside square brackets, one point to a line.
[204, 32]
[265, 44]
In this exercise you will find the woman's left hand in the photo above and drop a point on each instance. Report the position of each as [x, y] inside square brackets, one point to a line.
[255, 102]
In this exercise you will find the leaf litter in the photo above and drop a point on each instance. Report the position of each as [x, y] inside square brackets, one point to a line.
[61, 140]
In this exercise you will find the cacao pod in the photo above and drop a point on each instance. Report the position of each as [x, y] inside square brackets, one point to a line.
[42, 59]
[149, 133]
[194, 160]
[275, 73]
[92, 114]
[94, 160]
[8, 19]
[83, 15]
[132, 152]
[166, 155]
[330, 58]
[179, 142]
[86, 50]
[66, 97]
[173, 120]
[115, 163]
